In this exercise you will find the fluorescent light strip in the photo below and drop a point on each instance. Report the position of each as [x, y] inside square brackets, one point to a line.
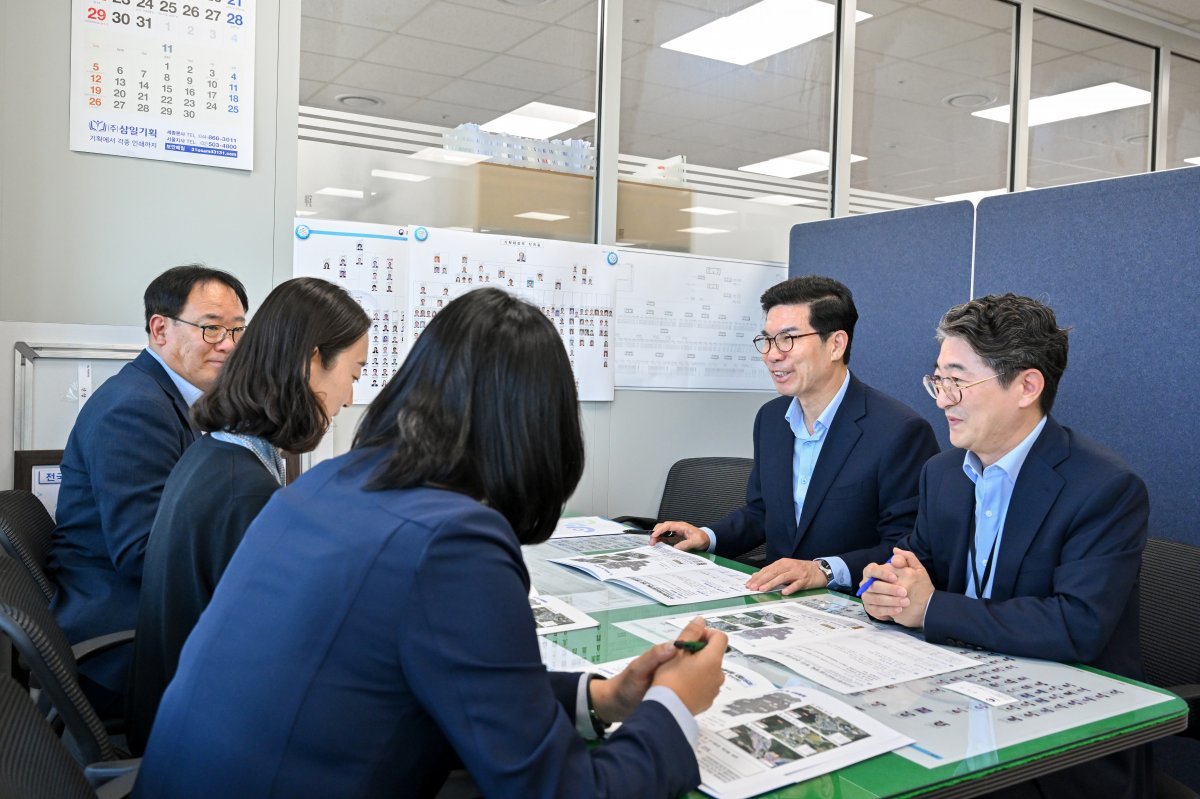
[541, 216]
[701, 210]
[538, 121]
[1078, 103]
[306, 213]
[796, 164]
[703, 231]
[408, 177]
[973, 196]
[759, 31]
[452, 157]
[334, 191]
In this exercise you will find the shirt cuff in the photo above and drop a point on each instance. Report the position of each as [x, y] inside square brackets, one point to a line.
[926, 613]
[683, 717]
[583, 719]
[841, 573]
[712, 539]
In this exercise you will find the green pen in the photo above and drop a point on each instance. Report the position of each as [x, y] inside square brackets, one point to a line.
[690, 646]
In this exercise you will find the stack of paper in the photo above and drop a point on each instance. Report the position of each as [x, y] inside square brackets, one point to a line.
[663, 573]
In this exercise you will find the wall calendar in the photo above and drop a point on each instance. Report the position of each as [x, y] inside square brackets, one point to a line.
[169, 80]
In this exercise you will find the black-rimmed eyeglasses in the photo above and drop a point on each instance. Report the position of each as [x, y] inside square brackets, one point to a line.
[214, 334]
[782, 341]
[952, 387]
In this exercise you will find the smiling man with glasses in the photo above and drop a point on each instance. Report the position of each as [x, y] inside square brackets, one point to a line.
[125, 442]
[1029, 536]
[836, 462]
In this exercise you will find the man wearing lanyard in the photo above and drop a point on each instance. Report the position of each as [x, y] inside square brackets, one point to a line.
[836, 462]
[1030, 543]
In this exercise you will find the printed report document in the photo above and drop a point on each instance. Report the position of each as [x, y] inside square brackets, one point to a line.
[663, 573]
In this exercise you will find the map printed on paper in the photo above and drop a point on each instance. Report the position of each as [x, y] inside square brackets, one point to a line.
[687, 322]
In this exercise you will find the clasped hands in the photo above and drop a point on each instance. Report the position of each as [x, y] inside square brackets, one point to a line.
[901, 590]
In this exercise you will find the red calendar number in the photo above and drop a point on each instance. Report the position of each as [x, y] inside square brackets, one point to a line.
[97, 14]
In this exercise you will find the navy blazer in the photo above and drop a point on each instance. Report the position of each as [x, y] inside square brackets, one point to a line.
[363, 643]
[863, 494]
[1066, 574]
[126, 440]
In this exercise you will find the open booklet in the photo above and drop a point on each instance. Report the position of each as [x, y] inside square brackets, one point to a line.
[756, 737]
[663, 573]
[839, 652]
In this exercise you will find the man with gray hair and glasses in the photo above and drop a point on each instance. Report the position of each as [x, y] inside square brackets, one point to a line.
[1029, 536]
[126, 440]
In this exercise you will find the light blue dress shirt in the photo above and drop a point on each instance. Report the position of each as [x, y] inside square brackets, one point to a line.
[805, 451]
[993, 492]
[189, 392]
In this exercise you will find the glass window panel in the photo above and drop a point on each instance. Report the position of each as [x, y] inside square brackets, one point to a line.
[395, 94]
[1183, 113]
[921, 69]
[692, 124]
[1092, 137]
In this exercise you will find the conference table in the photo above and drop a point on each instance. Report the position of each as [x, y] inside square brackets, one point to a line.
[962, 747]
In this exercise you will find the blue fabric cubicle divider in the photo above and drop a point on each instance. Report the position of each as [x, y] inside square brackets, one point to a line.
[1118, 260]
[905, 268]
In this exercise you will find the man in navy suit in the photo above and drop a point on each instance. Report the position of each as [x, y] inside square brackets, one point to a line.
[125, 442]
[836, 463]
[1029, 542]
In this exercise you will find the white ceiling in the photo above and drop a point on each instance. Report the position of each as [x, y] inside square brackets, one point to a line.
[445, 63]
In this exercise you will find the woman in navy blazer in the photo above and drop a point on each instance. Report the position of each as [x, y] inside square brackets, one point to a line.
[373, 632]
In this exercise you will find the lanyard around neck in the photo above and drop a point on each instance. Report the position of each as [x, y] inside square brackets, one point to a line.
[980, 582]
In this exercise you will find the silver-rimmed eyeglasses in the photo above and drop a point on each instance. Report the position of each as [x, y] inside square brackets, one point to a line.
[952, 387]
[214, 334]
[782, 341]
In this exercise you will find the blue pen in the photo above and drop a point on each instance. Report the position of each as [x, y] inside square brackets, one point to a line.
[863, 588]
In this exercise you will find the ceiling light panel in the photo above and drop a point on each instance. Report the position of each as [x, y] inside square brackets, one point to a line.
[542, 216]
[1099, 99]
[761, 30]
[538, 121]
[334, 191]
[796, 164]
[408, 177]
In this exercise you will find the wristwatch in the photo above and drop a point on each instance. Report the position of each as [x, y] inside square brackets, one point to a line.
[825, 568]
[598, 726]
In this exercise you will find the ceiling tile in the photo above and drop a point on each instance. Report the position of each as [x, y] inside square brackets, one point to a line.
[376, 77]
[384, 15]
[470, 27]
[525, 74]
[328, 38]
[408, 52]
[314, 66]
[914, 32]
[308, 88]
[558, 45]
[546, 11]
[492, 100]
[450, 115]
[669, 68]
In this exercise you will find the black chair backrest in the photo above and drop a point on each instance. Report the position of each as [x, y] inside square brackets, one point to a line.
[1170, 613]
[34, 764]
[28, 622]
[701, 491]
[25, 528]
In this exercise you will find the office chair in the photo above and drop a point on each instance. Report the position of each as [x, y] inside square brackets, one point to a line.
[34, 763]
[1170, 638]
[25, 528]
[700, 491]
[27, 621]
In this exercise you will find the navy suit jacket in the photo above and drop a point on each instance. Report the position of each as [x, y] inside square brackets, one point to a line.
[863, 494]
[127, 438]
[363, 643]
[1066, 574]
